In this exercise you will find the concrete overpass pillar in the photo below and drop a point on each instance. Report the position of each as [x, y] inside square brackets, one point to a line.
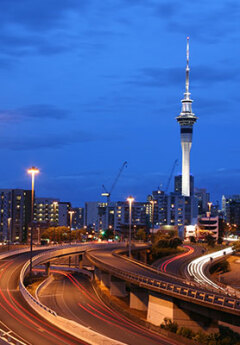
[78, 260]
[47, 268]
[143, 256]
[97, 274]
[105, 279]
[117, 287]
[161, 306]
[139, 298]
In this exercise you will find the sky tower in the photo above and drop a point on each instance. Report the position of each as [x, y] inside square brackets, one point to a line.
[186, 120]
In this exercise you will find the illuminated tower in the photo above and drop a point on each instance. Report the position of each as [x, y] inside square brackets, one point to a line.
[186, 120]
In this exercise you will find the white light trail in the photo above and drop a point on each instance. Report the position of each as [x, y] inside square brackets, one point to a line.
[196, 267]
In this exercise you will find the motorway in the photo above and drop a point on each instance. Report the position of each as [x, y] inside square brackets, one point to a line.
[72, 296]
[177, 264]
[149, 278]
[75, 299]
[18, 316]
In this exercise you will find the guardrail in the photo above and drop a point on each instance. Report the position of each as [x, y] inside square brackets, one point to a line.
[7, 254]
[10, 339]
[117, 252]
[179, 291]
[197, 267]
[68, 326]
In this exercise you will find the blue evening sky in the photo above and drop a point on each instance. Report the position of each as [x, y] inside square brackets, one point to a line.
[88, 84]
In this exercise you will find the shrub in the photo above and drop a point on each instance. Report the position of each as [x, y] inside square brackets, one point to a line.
[169, 325]
[186, 332]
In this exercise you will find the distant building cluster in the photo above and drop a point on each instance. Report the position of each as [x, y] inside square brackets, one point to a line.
[187, 210]
[15, 214]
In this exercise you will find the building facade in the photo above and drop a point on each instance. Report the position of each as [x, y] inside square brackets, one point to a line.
[231, 209]
[139, 219]
[207, 225]
[78, 218]
[51, 212]
[174, 209]
[203, 198]
[15, 215]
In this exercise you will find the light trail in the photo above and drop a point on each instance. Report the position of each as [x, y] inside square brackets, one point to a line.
[164, 265]
[13, 308]
[196, 268]
[109, 316]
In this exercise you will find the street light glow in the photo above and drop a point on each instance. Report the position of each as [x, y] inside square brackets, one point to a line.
[33, 171]
[130, 199]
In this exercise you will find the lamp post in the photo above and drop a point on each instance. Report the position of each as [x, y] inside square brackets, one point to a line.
[9, 231]
[71, 214]
[130, 200]
[55, 204]
[209, 209]
[153, 202]
[32, 171]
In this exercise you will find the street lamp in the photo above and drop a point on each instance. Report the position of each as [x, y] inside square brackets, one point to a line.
[209, 209]
[71, 214]
[32, 171]
[209, 206]
[9, 231]
[130, 200]
[153, 202]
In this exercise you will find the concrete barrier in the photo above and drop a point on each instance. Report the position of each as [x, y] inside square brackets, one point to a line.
[50, 315]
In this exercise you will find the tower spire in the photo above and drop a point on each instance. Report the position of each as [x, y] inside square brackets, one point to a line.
[187, 94]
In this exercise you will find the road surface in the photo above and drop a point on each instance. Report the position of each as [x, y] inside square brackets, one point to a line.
[16, 314]
[72, 296]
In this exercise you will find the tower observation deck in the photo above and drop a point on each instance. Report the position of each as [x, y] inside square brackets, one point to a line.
[186, 120]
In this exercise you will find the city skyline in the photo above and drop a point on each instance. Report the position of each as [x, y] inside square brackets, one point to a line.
[88, 86]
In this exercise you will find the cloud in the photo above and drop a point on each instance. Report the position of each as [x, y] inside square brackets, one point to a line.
[37, 27]
[36, 111]
[46, 141]
[208, 22]
[80, 176]
[51, 140]
[38, 15]
[159, 77]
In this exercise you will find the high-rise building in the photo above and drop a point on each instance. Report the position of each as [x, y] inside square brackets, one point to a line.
[78, 217]
[186, 119]
[51, 212]
[63, 213]
[140, 218]
[203, 199]
[174, 209]
[91, 213]
[46, 211]
[178, 185]
[15, 214]
[231, 209]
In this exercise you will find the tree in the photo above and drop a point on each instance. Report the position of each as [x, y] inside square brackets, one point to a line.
[141, 235]
[210, 240]
[236, 246]
[192, 239]
[107, 234]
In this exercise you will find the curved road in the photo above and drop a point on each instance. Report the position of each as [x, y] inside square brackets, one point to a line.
[16, 314]
[72, 296]
[177, 263]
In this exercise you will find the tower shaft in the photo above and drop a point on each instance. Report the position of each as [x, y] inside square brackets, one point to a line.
[186, 147]
[186, 120]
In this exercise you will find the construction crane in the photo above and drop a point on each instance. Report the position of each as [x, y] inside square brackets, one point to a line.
[108, 194]
[171, 174]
